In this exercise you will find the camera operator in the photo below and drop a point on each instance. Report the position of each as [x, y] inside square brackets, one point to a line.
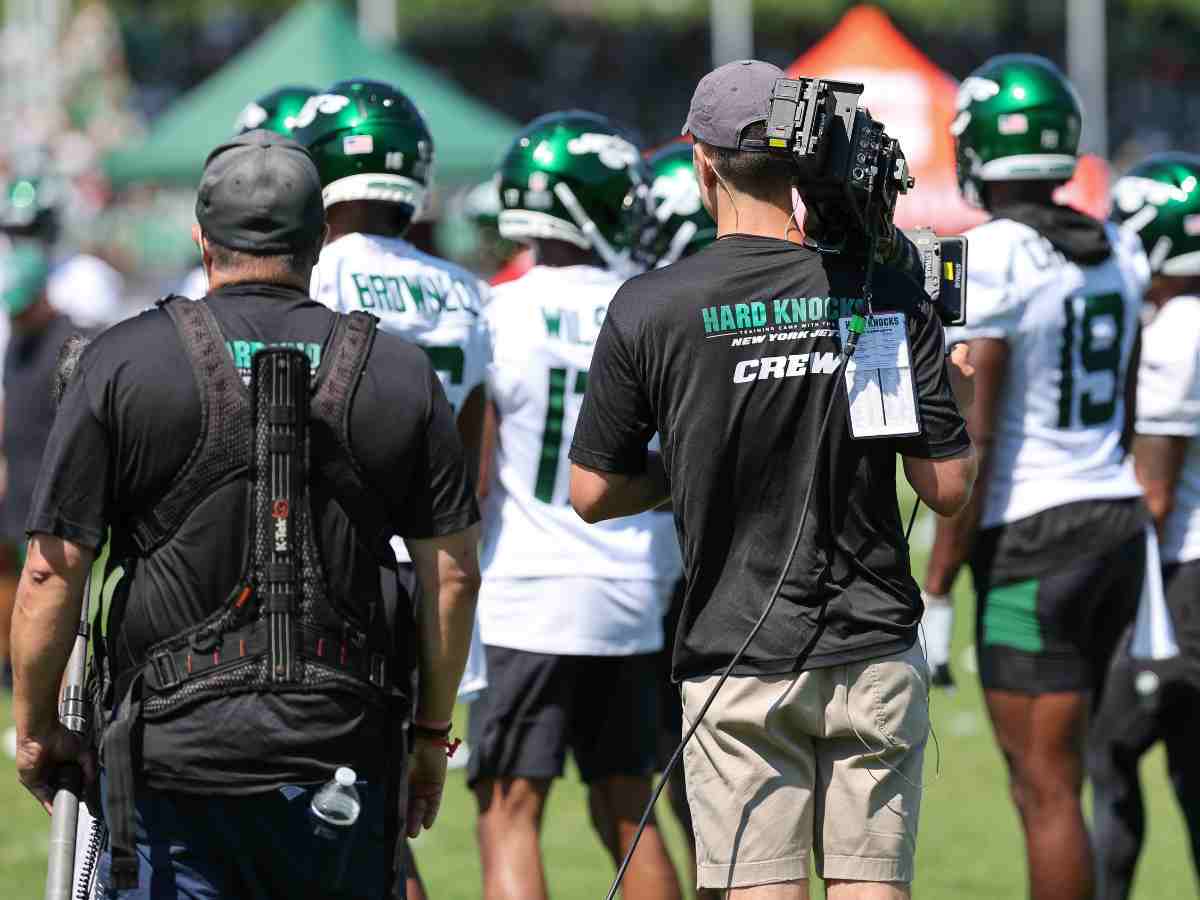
[247, 652]
[730, 355]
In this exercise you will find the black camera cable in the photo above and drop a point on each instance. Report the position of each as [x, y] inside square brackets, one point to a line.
[857, 326]
[912, 520]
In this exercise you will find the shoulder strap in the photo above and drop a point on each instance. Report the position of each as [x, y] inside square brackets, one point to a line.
[221, 450]
[342, 366]
[341, 369]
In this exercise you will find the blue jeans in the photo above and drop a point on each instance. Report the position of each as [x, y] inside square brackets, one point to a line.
[258, 847]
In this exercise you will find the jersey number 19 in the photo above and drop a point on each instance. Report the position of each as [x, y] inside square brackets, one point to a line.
[1091, 360]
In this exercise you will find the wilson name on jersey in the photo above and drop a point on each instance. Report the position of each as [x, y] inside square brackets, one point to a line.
[543, 327]
[427, 300]
[1070, 331]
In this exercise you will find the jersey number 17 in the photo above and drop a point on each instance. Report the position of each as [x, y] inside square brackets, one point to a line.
[553, 437]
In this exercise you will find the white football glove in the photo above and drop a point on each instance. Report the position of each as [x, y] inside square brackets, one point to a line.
[937, 627]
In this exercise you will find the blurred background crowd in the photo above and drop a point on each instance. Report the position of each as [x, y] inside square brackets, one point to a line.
[109, 107]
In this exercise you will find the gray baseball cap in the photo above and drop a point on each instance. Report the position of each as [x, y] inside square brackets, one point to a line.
[730, 98]
[261, 193]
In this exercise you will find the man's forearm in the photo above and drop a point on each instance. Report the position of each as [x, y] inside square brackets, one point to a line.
[45, 621]
[954, 535]
[445, 643]
[598, 496]
[450, 585]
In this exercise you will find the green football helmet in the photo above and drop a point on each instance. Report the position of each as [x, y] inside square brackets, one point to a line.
[370, 142]
[675, 223]
[29, 207]
[1160, 200]
[571, 176]
[1018, 119]
[275, 111]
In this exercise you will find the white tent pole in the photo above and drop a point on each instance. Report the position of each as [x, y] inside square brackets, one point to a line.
[378, 22]
[732, 23]
[1087, 62]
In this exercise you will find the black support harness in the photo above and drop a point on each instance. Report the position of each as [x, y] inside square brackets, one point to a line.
[279, 630]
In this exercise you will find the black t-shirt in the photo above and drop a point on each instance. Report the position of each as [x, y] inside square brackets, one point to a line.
[740, 440]
[124, 431]
[28, 415]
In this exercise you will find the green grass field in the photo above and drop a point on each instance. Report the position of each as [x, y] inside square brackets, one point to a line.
[969, 846]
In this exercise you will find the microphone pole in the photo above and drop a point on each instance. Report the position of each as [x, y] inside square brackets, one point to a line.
[72, 712]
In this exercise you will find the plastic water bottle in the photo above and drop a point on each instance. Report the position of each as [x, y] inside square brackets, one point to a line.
[335, 807]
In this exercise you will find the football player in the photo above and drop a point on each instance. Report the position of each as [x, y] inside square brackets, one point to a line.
[675, 223]
[275, 112]
[1145, 702]
[571, 614]
[1055, 531]
[374, 154]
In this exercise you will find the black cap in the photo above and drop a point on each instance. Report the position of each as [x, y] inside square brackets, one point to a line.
[729, 99]
[260, 193]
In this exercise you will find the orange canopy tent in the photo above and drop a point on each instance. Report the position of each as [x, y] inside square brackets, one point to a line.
[916, 101]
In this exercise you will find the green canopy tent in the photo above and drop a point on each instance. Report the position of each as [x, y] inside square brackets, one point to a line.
[316, 43]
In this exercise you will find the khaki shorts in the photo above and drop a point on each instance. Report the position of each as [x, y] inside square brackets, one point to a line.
[827, 761]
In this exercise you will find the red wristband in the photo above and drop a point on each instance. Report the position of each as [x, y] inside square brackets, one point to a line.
[438, 736]
[433, 725]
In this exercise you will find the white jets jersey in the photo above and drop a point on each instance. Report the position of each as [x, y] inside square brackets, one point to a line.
[1169, 404]
[1070, 331]
[427, 300]
[543, 327]
[194, 285]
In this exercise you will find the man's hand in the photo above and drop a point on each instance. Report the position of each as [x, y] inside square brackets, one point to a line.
[40, 758]
[962, 377]
[426, 779]
[45, 623]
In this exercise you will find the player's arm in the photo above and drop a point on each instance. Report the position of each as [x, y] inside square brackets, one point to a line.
[471, 421]
[488, 441]
[1129, 426]
[1158, 461]
[1168, 406]
[954, 534]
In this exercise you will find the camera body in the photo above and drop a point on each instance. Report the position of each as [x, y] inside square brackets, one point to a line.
[944, 261]
[848, 170]
[850, 173]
